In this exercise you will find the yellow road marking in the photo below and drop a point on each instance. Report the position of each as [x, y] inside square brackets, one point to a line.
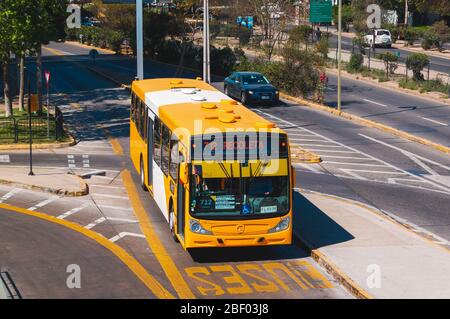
[148, 280]
[117, 148]
[166, 262]
[54, 51]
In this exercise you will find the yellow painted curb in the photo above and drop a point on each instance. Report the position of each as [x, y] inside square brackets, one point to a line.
[122, 85]
[82, 191]
[148, 280]
[107, 51]
[368, 123]
[37, 146]
[302, 155]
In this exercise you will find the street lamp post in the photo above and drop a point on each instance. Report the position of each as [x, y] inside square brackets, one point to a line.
[339, 55]
[30, 131]
[139, 40]
[206, 48]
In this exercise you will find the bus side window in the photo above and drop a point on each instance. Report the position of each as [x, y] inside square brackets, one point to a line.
[157, 141]
[137, 115]
[165, 149]
[174, 159]
[133, 106]
[142, 119]
[145, 124]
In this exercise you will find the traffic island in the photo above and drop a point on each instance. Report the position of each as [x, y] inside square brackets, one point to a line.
[55, 181]
[371, 254]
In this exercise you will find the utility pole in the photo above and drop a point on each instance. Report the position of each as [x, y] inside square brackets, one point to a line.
[339, 55]
[206, 49]
[406, 13]
[139, 40]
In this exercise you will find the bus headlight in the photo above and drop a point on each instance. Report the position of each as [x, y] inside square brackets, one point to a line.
[197, 228]
[282, 225]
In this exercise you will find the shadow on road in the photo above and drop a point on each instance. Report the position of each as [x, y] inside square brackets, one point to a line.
[314, 226]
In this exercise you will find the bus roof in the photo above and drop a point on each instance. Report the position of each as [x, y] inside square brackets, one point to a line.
[181, 103]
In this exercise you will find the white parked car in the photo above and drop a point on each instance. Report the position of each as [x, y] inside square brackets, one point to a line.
[382, 38]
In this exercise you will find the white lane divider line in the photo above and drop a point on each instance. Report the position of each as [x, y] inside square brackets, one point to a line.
[10, 194]
[347, 157]
[106, 186]
[433, 121]
[116, 207]
[124, 234]
[71, 161]
[5, 159]
[355, 164]
[44, 202]
[310, 167]
[73, 211]
[318, 145]
[95, 223]
[86, 163]
[109, 196]
[373, 102]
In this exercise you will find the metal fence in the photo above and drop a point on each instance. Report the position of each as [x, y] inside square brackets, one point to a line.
[15, 130]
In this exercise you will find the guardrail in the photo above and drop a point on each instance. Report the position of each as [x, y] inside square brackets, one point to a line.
[15, 130]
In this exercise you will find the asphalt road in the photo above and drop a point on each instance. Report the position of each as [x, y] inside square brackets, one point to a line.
[419, 116]
[404, 179]
[97, 112]
[438, 64]
[40, 257]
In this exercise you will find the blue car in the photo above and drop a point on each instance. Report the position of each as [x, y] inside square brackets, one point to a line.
[250, 87]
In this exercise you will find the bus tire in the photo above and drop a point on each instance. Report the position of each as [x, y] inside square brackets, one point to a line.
[172, 224]
[142, 176]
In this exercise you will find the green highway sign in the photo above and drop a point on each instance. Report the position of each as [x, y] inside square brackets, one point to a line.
[320, 11]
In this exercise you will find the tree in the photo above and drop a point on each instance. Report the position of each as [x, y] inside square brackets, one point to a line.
[416, 62]
[442, 32]
[390, 62]
[347, 16]
[441, 7]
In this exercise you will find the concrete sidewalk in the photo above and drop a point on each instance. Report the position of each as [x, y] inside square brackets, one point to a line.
[55, 181]
[370, 254]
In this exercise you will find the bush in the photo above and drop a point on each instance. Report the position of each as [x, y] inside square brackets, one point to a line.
[442, 34]
[416, 62]
[390, 62]
[410, 36]
[356, 62]
[429, 40]
[115, 40]
[223, 60]
[323, 47]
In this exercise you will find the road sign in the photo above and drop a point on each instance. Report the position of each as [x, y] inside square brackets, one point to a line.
[320, 11]
[47, 76]
[246, 21]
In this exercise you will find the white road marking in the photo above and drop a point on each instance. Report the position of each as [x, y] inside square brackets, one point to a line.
[434, 121]
[10, 194]
[124, 234]
[73, 211]
[318, 145]
[432, 186]
[347, 157]
[304, 140]
[116, 207]
[356, 164]
[44, 202]
[329, 151]
[95, 223]
[370, 101]
[309, 167]
[5, 159]
[109, 196]
[106, 186]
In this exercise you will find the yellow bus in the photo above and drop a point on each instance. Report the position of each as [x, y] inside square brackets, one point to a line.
[220, 174]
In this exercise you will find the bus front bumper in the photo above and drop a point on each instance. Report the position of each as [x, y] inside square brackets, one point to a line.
[244, 240]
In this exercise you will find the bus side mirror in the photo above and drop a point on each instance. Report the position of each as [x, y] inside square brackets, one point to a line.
[293, 176]
[184, 173]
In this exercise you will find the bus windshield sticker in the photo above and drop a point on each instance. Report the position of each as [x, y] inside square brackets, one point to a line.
[268, 209]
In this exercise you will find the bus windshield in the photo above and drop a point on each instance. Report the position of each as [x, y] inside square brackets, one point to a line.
[245, 197]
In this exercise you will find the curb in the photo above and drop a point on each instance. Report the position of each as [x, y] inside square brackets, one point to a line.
[84, 188]
[13, 147]
[368, 123]
[334, 270]
[106, 51]
[371, 81]
[302, 155]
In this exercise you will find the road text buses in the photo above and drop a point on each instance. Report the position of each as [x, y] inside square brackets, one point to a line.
[220, 174]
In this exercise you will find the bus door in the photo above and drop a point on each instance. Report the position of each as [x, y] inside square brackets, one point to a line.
[181, 200]
[150, 151]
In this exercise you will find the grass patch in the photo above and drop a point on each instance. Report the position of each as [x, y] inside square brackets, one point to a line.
[425, 86]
